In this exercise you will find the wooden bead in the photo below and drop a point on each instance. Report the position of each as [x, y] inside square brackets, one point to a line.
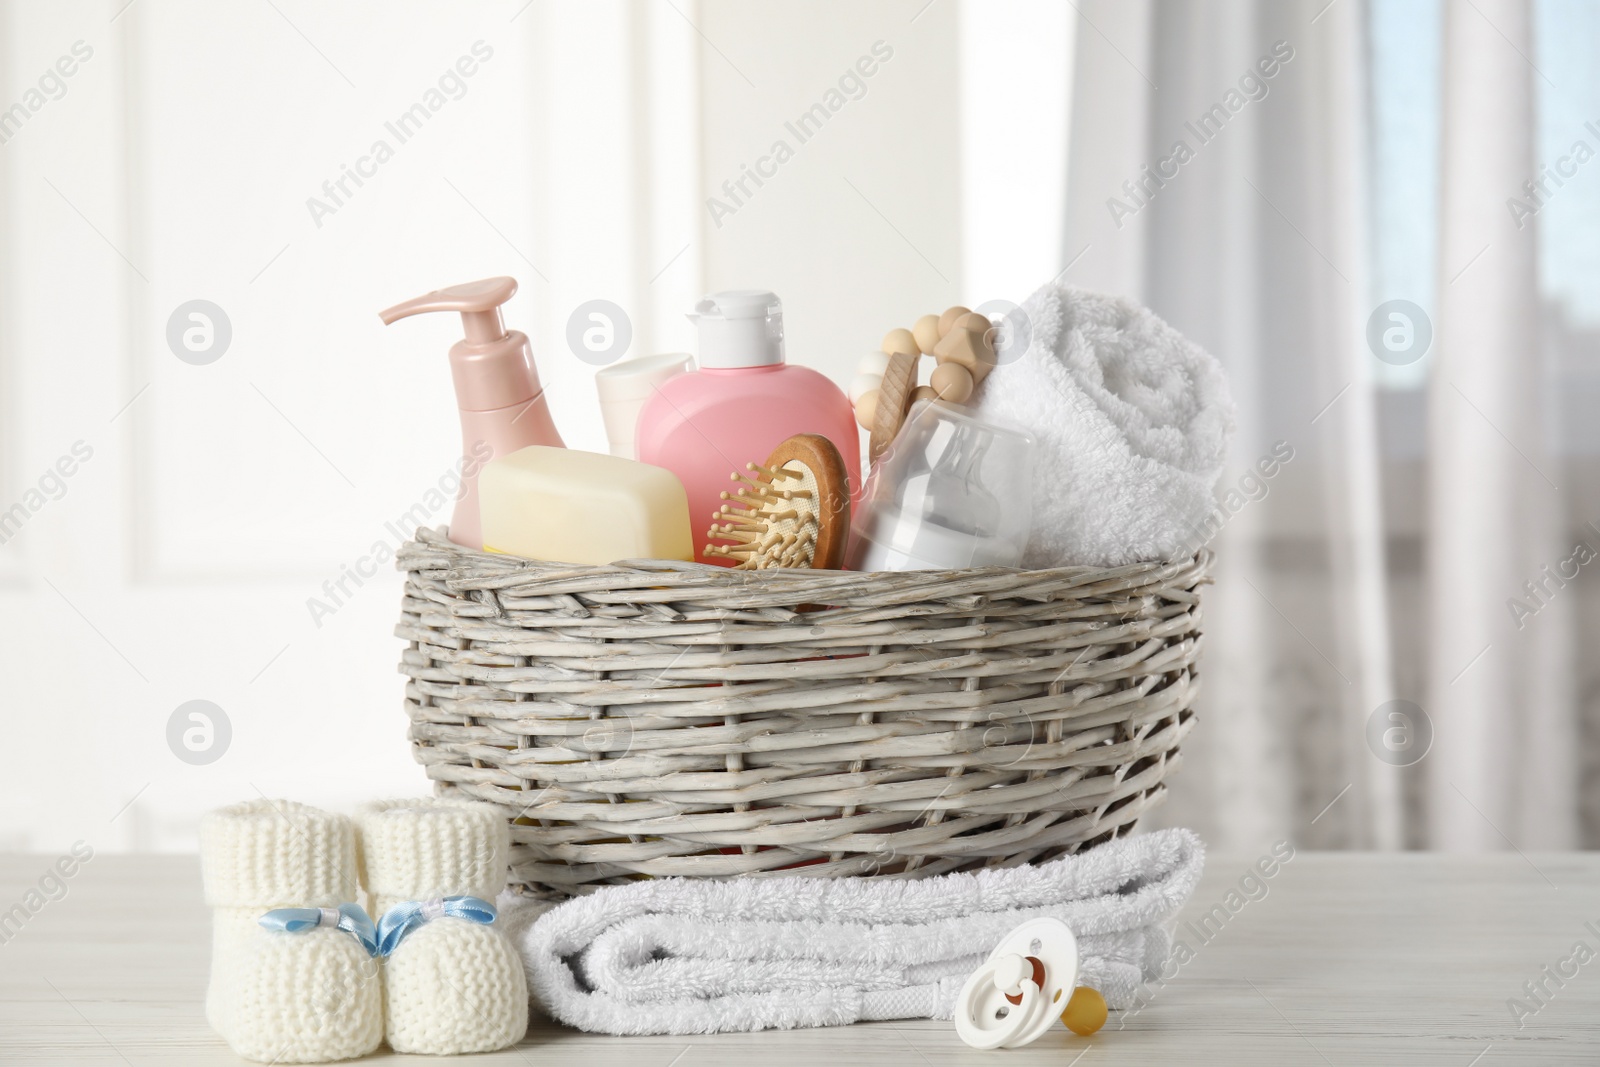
[923, 392]
[862, 384]
[952, 382]
[970, 348]
[867, 409]
[977, 324]
[926, 332]
[900, 341]
[974, 321]
[948, 319]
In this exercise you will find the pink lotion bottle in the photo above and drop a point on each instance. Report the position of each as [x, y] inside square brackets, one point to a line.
[741, 403]
[502, 405]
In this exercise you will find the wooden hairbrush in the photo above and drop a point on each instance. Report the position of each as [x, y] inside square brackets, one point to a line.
[792, 511]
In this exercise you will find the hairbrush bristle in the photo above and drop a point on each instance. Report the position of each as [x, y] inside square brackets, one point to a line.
[792, 511]
[771, 526]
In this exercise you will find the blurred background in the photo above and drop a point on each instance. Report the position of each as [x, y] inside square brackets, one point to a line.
[1381, 215]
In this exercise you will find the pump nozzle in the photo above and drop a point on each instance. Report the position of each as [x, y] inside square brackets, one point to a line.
[492, 366]
[478, 302]
[497, 389]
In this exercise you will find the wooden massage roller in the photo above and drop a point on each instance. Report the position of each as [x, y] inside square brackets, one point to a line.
[961, 343]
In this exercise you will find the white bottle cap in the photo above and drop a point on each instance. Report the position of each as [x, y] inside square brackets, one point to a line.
[739, 328]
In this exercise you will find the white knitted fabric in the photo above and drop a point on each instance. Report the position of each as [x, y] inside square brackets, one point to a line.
[277, 997]
[1132, 421]
[452, 986]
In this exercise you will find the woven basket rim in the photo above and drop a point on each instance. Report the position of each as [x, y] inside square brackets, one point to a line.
[660, 571]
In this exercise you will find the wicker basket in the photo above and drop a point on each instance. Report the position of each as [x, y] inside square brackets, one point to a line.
[650, 718]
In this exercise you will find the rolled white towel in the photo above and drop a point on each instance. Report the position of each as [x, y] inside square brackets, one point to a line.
[1132, 421]
[697, 956]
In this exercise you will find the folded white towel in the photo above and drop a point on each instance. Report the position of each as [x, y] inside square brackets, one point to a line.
[690, 956]
[1132, 420]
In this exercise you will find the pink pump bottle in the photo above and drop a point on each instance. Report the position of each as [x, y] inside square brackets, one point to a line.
[741, 403]
[501, 402]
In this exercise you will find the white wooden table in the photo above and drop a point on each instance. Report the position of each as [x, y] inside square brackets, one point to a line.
[1347, 959]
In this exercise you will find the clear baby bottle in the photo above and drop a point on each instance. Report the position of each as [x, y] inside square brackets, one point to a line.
[951, 492]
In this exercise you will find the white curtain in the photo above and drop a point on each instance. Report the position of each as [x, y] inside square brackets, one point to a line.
[1504, 770]
[1255, 238]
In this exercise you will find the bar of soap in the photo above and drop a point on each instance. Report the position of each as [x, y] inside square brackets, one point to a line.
[567, 506]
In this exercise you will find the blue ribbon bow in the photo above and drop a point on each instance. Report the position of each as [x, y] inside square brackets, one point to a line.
[351, 918]
[403, 918]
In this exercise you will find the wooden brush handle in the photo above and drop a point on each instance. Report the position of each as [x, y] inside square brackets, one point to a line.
[833, 494]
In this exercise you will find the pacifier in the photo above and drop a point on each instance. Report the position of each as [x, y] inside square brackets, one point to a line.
[1022, 987]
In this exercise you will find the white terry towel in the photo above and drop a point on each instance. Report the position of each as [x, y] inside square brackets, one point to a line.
[1133, 422]
[690, 956]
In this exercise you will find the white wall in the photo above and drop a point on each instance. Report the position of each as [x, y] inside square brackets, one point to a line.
[177, 165]
[861, 231]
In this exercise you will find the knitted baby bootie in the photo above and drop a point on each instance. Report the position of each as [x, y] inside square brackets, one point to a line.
[452, 982]
[303, 987]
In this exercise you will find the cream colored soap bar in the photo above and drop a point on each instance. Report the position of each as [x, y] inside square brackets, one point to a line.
[568, 506]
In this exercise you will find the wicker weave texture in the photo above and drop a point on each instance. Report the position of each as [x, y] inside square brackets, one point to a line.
[654, 719]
